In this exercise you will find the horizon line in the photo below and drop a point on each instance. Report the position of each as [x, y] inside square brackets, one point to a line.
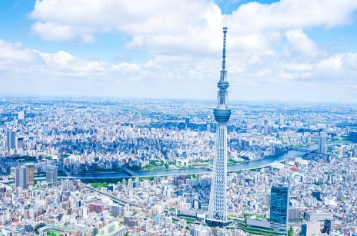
[22, 96]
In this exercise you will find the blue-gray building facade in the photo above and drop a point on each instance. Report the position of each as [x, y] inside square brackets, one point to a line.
[279, 207]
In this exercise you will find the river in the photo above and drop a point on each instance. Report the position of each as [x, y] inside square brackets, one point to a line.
[231, 168]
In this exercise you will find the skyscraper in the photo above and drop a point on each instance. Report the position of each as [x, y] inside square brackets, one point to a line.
[218, 198]
[51, 174]
[21, 177]
[11, 139]
[279, 203]
[316, 194]
[20, 143]
[21, 116]
[322, 145]
[310, 228]
[327, 227]
[30, 174]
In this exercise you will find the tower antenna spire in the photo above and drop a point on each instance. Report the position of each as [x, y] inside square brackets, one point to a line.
[223, 71]
[217, 215]
[224, 49]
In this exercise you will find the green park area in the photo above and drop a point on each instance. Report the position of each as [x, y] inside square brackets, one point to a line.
[150, 178]
[337, 140]
[192, 176]
[189, 220]
[53, 233]
[102, 181]
[156, 165]
[99, 185]
[232, 162]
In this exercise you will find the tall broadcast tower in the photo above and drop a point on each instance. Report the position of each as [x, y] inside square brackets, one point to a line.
[218, 199]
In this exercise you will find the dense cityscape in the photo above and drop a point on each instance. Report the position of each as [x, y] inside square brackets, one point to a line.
[96, 144]
[142, 167]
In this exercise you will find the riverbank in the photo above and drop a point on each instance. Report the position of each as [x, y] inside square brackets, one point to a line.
[232, 168]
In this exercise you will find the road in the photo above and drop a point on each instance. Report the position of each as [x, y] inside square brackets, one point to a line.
[115, 199]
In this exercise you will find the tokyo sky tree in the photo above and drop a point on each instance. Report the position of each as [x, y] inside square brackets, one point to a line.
[218, 199]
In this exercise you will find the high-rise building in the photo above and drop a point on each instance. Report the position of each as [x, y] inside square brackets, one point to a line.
[94, 207]
[116, 210]
[316, 194]
[157, 219]
[218, 198]
[347, 130]
[267, 199]
[20, 143]
[339, 195]
[322, 145]
[249, 128]
[51, 174]
[11, 139]
[65, 185]
[21, 115]
[279, 207]
[294, 213]
[30, 174]
[21, 177]
[327, 227]
[310, 228]
[267, 129]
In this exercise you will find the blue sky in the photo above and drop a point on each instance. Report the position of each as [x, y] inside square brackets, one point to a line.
[277, 50]
[14, 19]
[15, 27]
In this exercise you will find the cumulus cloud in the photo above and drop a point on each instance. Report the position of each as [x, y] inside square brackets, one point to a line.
[268, 47]
[50, 31]
[157, 77]
[182, 18]
[15, 52]
[299, 41]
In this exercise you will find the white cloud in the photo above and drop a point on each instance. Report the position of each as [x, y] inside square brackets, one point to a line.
[16, 52]
[331, 64]
[180, 23]
[191, 30]
[63, 73]
[299, 41]
[183, 42]
[125, 67]
[49, 31]
[289, 14]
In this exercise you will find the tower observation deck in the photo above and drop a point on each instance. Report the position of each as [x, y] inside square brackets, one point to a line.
[217, 215]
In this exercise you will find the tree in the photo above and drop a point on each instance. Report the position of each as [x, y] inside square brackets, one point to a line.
[291, 231]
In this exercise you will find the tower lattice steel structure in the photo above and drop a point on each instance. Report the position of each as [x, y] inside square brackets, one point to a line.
[218, 198]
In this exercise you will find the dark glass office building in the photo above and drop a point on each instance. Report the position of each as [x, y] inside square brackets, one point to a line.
[279, 207]
[316, 194]
[327, 227]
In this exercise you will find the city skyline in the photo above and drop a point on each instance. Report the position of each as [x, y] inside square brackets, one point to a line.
[295, 55]
[108, 124]
[79, 160]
